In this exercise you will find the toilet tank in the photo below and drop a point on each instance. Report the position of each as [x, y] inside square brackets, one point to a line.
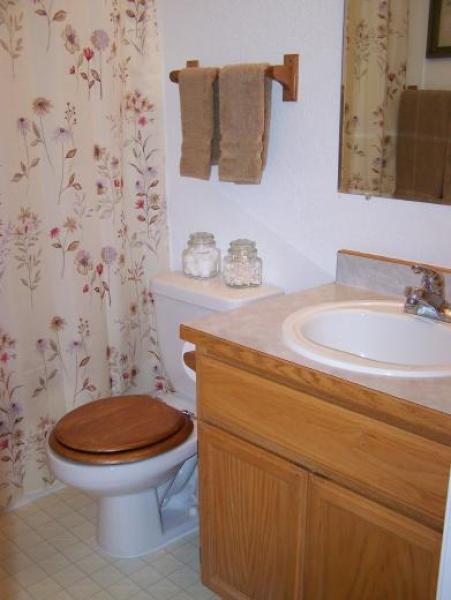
[180, 299]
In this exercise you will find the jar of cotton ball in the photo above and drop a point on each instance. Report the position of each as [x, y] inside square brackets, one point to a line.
[201, 258]
[242, 267]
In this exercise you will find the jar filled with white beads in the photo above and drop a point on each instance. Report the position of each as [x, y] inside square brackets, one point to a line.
[201, 257]
[242, 267]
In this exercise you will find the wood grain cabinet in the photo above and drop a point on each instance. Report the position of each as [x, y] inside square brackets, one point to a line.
[304, 497]
[253, 507]
[361, 550]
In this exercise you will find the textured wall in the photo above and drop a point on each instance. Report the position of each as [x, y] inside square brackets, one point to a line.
[429, 73]
[296, 215]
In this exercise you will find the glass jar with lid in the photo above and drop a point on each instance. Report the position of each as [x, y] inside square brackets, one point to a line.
[242, 267]
[201, 258]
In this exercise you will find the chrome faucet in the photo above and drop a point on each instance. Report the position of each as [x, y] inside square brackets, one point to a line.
[428, 300]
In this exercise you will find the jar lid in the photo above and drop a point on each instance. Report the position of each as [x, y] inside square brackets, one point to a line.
[242, 247]
[201, 237]
[242, 243]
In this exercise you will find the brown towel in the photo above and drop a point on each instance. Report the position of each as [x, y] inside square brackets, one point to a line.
[244, 116]
[197, 86]
[447, 176]
[423, 171]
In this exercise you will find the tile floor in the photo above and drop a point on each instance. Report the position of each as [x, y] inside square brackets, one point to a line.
[48, 552]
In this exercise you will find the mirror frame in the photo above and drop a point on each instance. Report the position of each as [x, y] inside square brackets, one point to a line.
[433, 49]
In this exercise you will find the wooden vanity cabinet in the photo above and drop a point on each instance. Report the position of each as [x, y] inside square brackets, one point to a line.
[257, 544]
[361, 550]
[253, 507]
[303, 498]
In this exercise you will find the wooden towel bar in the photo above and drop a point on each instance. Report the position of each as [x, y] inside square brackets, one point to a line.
[287, 75]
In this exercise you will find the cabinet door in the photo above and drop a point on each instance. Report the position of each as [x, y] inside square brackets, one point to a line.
[360, 550]
[252, 512]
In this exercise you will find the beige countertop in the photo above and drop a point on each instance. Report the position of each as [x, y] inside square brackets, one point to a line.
[258, 326]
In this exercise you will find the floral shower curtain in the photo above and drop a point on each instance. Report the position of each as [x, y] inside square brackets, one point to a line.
[374, 76]
[82, 217]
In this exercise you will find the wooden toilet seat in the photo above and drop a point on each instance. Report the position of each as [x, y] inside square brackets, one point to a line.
[119, 429]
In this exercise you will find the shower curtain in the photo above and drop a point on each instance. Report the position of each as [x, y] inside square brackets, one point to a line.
[374, 76]
[82, 217]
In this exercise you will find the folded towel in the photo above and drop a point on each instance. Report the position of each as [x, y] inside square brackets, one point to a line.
[423, 144]
[197, 87]
[447, 176]
[244, 116]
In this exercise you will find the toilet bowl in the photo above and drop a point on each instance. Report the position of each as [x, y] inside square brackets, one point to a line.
[137, 454]
[128, 491]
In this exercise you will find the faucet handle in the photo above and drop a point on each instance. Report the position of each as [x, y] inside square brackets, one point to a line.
[431, 281]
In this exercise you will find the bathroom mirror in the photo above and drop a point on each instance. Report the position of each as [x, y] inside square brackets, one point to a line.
[396, 103]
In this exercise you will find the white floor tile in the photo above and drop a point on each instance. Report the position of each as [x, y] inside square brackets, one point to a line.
[167, 564]
[45, 500]
[123, 590]
[37, 518]
[103, 595]
[54, 563]
[30, 575]
[142, 595]
[41, 552]
[91, 563]
[199, 591]
[83, 589]
[50, 529]
[63, 540]
[68, 576]
[185, 553]
[146, 577]
[92, 543]
[67, 492]
[72, 521]
[28, 509]
[85, 531]
[59, 510]
[107, 575]
[129, 565]
[28, 539]
[184, 577]
[48, 551]
[76, 551]
[89, 511]
[45, 589]
[183, 596]
[63, 595]
[164, 589]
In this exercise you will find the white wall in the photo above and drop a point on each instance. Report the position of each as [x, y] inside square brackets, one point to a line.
[426, 73]
[296, 215]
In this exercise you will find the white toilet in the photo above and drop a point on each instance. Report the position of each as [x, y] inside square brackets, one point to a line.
[145, 503]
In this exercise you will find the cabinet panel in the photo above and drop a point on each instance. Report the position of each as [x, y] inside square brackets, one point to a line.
[252, 510]
[359, 550]
[393, 466]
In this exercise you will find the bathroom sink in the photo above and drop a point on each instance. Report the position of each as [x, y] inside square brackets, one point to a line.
[374, 337]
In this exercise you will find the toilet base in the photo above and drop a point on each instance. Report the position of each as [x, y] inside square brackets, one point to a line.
[130, 526]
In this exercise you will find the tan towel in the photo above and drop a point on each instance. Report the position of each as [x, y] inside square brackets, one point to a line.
[447, 176]
[197, 86]
[422, 168]
[244, 117]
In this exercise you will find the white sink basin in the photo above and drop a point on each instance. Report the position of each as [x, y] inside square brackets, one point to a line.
[371, 337]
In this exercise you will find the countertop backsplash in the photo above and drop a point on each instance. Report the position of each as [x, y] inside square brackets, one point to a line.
[382, 274]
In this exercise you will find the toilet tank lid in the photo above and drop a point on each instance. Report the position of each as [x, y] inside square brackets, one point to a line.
[208, 293]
